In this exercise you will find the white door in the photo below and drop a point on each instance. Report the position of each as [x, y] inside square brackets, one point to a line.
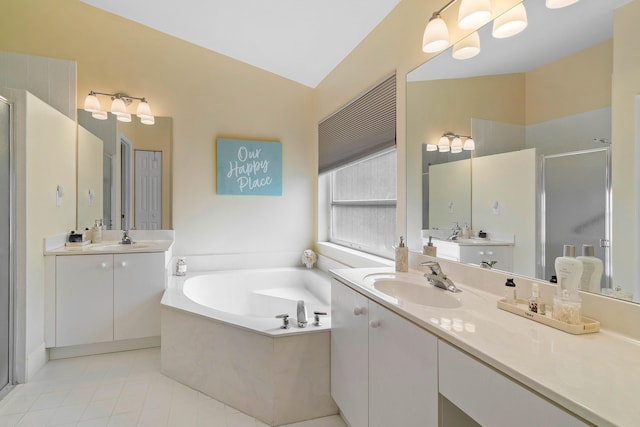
[148, 191]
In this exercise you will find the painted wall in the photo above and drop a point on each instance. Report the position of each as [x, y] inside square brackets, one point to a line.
[89, 178]
[208, 95]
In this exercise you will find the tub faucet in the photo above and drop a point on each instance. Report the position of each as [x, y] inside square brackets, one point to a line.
[437, 278]
[302, 314]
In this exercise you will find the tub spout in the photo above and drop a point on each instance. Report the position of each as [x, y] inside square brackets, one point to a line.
[302, 314]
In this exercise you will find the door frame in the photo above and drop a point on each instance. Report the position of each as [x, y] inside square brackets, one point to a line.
[126, 173]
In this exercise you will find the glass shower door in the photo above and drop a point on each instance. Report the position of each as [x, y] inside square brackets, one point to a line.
[575, 206]
[5, 242]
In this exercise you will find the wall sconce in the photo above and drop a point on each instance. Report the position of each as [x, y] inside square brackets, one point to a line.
[119, 104]
[453, 143]
[473, 14]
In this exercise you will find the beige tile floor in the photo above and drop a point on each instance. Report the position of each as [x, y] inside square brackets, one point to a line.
[120, 389]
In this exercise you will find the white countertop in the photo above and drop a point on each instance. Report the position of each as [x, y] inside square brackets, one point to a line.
[474, 241]
[595, 376]
[112, 247]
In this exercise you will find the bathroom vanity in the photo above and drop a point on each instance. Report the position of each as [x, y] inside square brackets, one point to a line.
[403, 351]
[105, 293]
[477, 251]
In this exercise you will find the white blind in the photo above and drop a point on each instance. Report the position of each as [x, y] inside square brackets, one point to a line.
[363, 127]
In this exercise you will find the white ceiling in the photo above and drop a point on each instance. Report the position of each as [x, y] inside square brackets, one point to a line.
[550, 35]
[301, 40]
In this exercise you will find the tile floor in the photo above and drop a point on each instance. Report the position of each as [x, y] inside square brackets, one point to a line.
[120, 389]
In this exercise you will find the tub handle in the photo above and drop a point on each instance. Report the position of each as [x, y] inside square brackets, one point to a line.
[285, 320]
[316, 317]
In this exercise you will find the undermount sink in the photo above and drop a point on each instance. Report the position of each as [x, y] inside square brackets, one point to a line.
[119, 246]
[412, 293]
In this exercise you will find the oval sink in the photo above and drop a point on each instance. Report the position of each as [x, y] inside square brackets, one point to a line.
[413, 293]
[119, 247]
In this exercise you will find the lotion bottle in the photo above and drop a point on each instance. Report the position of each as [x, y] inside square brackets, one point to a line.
[592, 269]
[402, 256]
[567, 304]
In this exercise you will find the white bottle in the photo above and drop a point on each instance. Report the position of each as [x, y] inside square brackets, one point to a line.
[569, 273]
[592, 269]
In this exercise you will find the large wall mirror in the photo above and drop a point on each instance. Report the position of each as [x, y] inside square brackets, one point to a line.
[124, 173]
[538, 106]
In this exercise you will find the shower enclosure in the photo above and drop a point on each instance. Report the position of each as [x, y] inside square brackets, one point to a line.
[6, 312]
[575, 207]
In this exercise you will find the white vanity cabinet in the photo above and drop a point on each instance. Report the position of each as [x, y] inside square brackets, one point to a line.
[492, 399]
[475, 253]
[84, 299]
[106, 297]
[383, 367]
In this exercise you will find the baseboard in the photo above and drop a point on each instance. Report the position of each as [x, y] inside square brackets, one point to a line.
[103, 347]
[35, 361]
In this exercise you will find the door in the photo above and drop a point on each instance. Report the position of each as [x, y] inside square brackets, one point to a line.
[6, 344]
[575, 206]
[148, 191]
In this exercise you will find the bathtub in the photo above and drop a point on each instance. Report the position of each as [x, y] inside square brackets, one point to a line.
[220, 336]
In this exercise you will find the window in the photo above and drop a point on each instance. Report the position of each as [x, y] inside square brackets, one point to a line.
[363, 204]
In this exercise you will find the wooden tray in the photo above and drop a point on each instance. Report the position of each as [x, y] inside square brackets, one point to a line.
[521, 308]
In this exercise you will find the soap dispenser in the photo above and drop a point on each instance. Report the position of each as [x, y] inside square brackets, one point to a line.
[429, 249]
[402, 256]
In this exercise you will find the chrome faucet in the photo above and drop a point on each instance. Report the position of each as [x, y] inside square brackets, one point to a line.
[302, 314]
[437, 278]
[455, 232]
[126, 239]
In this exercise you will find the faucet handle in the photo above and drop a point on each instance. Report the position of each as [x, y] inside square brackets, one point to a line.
[285, 320]
[316, 317]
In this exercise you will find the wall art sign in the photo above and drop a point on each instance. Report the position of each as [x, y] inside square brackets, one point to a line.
[249, 168]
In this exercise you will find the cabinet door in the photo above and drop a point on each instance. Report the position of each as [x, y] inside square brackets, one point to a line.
[492, 399]
[403, 371]
[84, 299]
[349, 350]
[138, 284]
[475, 254]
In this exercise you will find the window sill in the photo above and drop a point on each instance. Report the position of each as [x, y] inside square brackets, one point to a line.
[351, 257]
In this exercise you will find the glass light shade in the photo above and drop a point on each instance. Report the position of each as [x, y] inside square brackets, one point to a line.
[92, 104]
[474, 14]
[469, 145]
[443, 144]
[143, 109]
[100, 115]
[436, 36]
[456, 150]
[126, 117]
[118, 108]
[557, 4]
[511, 22]
[147, 120]
[468, 47]
[432, 147]
[456, 144]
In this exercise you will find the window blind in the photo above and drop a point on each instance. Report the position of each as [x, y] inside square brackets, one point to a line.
[363, 127]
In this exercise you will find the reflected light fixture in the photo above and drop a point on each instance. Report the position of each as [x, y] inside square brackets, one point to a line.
[452, 142]
[436, 34]
[474, 14]
[511, 22]
[557, 4]
[468, 47]
[119, 104]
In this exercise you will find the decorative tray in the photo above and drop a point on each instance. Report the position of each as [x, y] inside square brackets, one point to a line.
[521, 308]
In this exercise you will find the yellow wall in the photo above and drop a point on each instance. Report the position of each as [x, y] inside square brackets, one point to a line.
[576, 84]
[208, 95]
[90, 149]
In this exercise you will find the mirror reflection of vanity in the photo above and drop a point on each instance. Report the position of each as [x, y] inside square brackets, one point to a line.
[539, 109]
[124, 173]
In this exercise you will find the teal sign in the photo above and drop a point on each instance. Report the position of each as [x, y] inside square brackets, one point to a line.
[249, 168]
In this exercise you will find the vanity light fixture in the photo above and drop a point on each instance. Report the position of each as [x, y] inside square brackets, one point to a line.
[511, 22]
[119, 104]
[473, 14]
[557, 4]
[452, 142]
[468, 47]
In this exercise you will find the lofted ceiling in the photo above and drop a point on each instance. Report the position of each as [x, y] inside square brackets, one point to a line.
[301, 40]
